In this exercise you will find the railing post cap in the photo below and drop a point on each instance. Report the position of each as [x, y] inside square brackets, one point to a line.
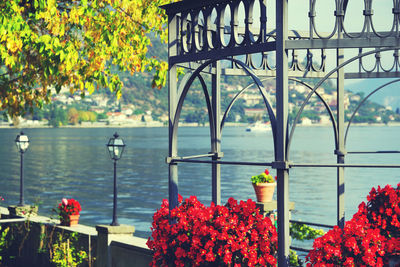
[121, 229]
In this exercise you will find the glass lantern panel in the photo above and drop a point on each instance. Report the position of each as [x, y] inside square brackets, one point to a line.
[24, 145]
[23, 138]
[18, 144]
[118, 142]
[111, 151]
[117, 152]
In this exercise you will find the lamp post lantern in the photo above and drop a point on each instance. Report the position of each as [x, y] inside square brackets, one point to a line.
[115, 148]
[22, 143]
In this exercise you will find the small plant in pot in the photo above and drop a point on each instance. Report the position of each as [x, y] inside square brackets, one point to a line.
[68, 211]
[264, 186]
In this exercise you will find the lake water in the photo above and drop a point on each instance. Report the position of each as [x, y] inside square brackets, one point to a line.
[74, 163]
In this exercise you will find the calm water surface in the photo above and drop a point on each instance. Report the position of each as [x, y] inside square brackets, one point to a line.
[74, 163]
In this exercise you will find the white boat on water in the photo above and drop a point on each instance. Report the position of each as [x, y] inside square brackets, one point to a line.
[259, 127]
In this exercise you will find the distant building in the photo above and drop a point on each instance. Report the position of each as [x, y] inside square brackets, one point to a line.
[251, 99]
[164, 118]
[116, 117]
[97, 110]
[100, 100]
[306, 121]
[324, 119]
[255, 112]
[355, 98]
[127, 111]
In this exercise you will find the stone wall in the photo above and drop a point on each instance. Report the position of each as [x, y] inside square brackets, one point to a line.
[105, 245]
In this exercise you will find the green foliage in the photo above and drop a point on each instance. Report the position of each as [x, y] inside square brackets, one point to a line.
[264, 177]
[236, 110]
[73, 116]
[101, 116]
[85, 116]
[65, 252]
[302, 231]
[3, 241]
[55, 246]
[47, 45]
[12, 241]
[294, 259]
[199, 116]
[58, 116]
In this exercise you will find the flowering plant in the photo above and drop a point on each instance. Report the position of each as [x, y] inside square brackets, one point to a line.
[264, 177]
[235, 234]
[355, 245]
[69, 207]
[368, 239]
[383, 210]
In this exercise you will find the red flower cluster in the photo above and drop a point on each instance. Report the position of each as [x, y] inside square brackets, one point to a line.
[368, 239]
[69, 207]
[383, 210]
[234, 234]
[355, 245]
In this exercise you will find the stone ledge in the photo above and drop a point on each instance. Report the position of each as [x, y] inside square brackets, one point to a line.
[115, 230]
[79, 228]
[4, 211]
[132, 241]
[132, 246]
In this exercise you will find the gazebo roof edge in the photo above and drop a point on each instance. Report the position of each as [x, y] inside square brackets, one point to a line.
[186, 5]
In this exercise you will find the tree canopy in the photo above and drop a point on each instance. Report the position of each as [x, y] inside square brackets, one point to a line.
[77, 44]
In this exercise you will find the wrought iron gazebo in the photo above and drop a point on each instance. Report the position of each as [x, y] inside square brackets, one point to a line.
[203, 33]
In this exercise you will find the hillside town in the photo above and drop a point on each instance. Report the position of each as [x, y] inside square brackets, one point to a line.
[102, 110]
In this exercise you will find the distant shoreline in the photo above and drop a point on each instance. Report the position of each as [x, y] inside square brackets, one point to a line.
[102, 125]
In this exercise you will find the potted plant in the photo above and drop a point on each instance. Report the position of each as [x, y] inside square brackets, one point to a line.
[68, 211]
[264, 186]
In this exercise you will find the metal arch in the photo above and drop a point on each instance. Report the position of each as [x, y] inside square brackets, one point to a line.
[271, 113]
[323, 61]
[182, 95]
[183, 82]
[362, 102]
[312, 14]
[389, 32]
[331, 115]
[365, 24]
[236, 97]
[374, 68]
[259, 84]
[190, 78]
[324, 79]
[380, 66]
[207, 98]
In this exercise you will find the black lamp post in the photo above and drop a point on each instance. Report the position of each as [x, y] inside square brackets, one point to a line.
[22, 142]
[115, 148]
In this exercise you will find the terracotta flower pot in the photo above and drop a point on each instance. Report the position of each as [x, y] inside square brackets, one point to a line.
[70, 220]
[264, 191]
